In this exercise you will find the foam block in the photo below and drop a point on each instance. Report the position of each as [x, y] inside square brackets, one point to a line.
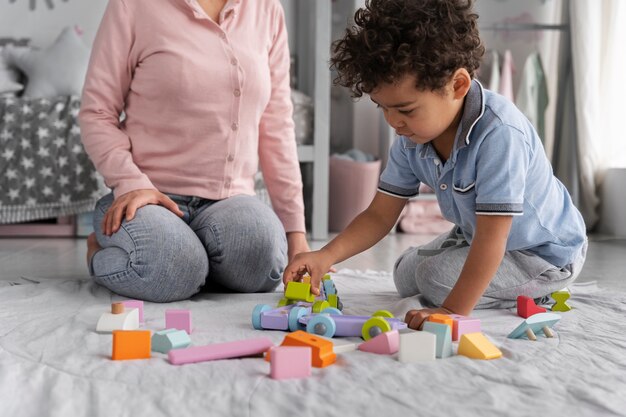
[477, 346]
[441, 318]
[131, 344]
[138, 304]
[417, 347]
[386, 343]
[299, 291]
[526, 307]
[290, 362]
[178, 319]
[169, 339]
[444, 338]
[128, 320]
[463, 325]
[228, 350]
[322, 353]
[561, 297]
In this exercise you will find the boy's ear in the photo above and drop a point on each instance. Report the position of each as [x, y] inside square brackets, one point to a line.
[461, 83]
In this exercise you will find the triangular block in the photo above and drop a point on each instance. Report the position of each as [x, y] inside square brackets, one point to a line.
[386, 343]
[526, 307]
[444, 337]
[477, 346]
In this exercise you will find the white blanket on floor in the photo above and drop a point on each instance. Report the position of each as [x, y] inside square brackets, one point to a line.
[53, 363]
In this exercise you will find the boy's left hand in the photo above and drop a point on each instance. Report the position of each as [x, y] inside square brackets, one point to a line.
[416, 318]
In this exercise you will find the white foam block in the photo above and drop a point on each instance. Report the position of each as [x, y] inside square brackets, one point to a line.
[417, 347]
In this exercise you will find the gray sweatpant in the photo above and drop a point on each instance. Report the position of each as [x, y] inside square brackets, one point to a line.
[432, 270]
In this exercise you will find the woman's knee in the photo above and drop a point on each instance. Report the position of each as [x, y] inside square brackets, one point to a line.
[246, 244]
[154, 257]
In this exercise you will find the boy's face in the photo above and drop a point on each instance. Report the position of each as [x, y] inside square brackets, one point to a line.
[421, 116]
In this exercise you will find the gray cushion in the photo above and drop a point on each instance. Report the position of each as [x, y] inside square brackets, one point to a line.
[9, 77]
[57, 70]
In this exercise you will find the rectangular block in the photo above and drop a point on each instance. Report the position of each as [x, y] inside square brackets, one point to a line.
[290, 362]
[228, 350]
[417, 347]
[131, 344]
[178, 319]
[463, 325]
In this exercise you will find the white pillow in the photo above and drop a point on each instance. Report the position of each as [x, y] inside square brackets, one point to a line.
[9, 77]
[57, 70]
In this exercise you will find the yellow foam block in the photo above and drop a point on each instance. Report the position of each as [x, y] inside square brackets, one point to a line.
[477, 346]
[299, 291]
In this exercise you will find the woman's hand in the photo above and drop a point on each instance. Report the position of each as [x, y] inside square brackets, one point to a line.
[316, 264]
[128, 204]
[416, 318]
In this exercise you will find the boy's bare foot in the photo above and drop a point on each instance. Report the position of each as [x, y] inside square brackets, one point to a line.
[92, 247]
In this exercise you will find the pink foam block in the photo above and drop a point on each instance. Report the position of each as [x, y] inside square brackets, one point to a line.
[386, 343]
[135, 304]
[463, 325]
[178, 319]
[290, 362]
[217, 351]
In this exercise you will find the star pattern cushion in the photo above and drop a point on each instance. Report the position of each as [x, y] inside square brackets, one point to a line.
[57, 70]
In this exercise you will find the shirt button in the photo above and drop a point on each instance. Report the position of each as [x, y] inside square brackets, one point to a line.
[231, 158]
[233, 61]
[227, 184]
[234, 126]
[237, 92]
[443, 187]
[223, 36]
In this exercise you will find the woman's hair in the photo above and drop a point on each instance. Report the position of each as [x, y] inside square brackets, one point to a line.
[429, 39]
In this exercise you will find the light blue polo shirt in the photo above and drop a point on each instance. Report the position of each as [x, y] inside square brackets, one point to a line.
[497, 167]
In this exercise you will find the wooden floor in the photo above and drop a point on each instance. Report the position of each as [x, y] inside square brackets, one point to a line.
[64, 258]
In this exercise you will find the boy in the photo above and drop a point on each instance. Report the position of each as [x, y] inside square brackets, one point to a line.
[517, 231]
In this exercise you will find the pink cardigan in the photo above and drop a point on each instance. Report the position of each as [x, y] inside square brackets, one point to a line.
[205, 103]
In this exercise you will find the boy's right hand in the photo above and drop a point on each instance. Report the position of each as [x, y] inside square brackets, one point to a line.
[316, 264]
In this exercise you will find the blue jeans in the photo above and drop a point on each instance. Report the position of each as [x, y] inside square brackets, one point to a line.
[237, 244]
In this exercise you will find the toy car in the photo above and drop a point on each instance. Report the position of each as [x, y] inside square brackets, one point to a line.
[290, 310]
[332, 323]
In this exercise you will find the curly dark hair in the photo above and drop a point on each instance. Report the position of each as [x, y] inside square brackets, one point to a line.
[430, 39]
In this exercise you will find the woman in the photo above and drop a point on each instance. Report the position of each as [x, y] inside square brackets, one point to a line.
[204, 90]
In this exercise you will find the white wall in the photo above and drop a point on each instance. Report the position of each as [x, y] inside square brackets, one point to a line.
[43, 24]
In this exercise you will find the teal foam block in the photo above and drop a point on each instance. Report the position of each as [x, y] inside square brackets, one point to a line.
[444, 337]
[166, 340]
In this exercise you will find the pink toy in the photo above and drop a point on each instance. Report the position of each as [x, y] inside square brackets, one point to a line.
[135, 304]
[178, 319]
[384, 344]
[217, 351]
[463, 325]
[290, 362]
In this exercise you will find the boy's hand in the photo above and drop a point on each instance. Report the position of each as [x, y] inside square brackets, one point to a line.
[416, 318]
[316, 264]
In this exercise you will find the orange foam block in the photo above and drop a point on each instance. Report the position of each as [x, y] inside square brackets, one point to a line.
[477, 346]
[131, 344]
[443, 319]
[322, 353]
